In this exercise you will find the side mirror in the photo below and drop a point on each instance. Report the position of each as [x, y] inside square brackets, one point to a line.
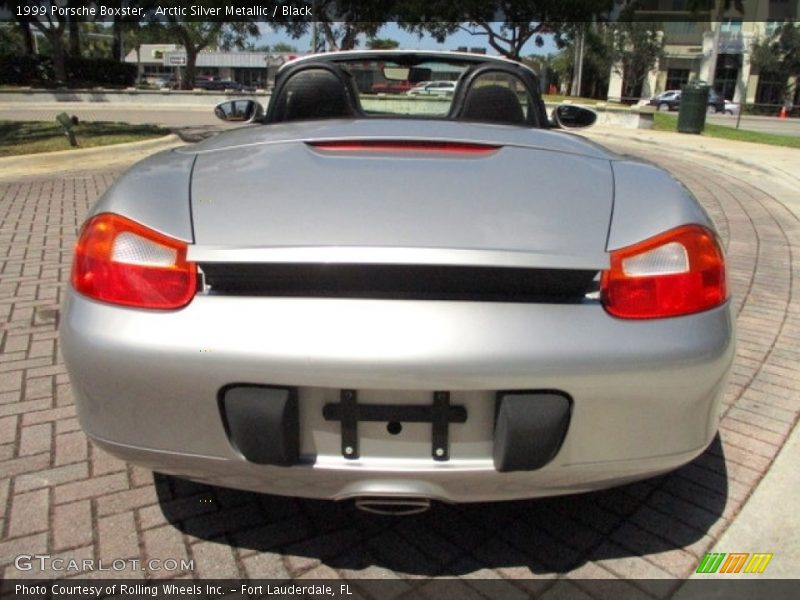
[239, 111]
[572, 116]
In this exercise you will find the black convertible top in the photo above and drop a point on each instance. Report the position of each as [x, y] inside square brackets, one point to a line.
[322, 86]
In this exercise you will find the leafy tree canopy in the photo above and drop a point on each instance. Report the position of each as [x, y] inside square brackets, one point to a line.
[382, 44]
[779, 54]
[507, 24]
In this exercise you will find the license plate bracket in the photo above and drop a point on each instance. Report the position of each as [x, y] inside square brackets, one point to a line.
[439, 414]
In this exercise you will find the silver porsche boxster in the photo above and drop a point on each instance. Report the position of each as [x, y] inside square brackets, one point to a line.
[391, 298]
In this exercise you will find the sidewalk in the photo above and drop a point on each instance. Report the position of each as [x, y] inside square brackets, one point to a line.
[768, 521]
[748, 160]
[67, 161]
[64, 497]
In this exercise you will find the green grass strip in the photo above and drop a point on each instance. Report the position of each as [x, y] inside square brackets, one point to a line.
[666, 122]
[33, 137]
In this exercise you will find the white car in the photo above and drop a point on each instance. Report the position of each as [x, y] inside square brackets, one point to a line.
[433, 88]
[731, 108]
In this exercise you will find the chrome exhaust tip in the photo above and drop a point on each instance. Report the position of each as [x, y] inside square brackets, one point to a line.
[398, 507]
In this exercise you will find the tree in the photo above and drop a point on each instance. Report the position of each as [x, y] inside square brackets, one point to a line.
[121, 25]
[382, 44]
[341, 23]
[629, 48]
[196, 36]
[546, 68]
[53, 27]
[779, 55]
[720, 8]
[634, 49]
[24, 24]
[597, 58]
[96, 40]
[507, 24]
[74, 28]
[11, 40]
[136, 33]
[281, 47]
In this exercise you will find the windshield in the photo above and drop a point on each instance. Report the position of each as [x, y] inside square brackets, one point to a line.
[388, 88]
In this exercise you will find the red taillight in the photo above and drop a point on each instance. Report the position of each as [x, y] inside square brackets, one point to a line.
[122, 262]
[404, 146]
[675, 273]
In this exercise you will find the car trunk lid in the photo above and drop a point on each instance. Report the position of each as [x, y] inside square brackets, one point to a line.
[384, 201]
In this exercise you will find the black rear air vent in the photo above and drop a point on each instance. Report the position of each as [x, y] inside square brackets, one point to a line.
[424, 282]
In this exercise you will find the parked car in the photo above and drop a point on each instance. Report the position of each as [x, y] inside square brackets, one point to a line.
[171, 83]
[392, 87]
[671, 100]
[433, 88]
[203, 82]
[668, 100]
[731, 108]
[457, 302]
[220, 85]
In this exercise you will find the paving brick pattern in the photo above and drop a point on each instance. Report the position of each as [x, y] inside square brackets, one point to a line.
[62, 496]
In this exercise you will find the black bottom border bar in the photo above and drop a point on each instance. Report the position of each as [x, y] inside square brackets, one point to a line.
[735, 588]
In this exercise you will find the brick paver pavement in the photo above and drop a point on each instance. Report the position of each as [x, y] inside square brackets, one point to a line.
[62, 496]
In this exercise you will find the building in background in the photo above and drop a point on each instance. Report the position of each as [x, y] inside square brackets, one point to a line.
[164, 62]
[150, 59]
[689, 43]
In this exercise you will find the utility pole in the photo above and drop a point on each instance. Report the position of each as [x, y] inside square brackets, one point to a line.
[314, 28]
[580, 64]
[719, 6]
[742, 94]
[578, 72]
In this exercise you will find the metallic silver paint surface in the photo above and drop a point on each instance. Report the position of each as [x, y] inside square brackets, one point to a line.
[645, 392]
[389, 54]
[461, 485]
[649, 201]
[154, 192]
[396, 255]
[507, 201]
[398, 129]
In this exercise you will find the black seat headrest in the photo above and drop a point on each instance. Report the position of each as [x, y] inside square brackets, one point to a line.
[492, 103]
[315, 93]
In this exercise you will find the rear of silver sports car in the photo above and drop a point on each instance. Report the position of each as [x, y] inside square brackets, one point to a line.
[399, 320]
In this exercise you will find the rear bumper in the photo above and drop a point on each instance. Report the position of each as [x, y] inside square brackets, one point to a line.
[645, 393]
[479, 483]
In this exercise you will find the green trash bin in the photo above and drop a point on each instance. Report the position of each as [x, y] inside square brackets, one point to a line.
[693, 107]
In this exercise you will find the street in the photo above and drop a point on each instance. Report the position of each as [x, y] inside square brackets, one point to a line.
[201, 118]
[191, 122]
[759, 123]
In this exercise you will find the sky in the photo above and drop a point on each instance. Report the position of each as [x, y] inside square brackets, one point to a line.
[412, 41]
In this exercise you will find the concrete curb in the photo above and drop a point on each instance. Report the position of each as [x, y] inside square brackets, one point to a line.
[767, 523]
[83, 159]
[123, 98]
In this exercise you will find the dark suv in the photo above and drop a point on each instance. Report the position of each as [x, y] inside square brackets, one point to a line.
[671, 100]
